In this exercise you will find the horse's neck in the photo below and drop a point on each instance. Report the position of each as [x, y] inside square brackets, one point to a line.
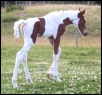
[63, 16]
[71, 16]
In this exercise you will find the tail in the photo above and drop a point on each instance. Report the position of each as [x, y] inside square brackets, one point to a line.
[16, 25]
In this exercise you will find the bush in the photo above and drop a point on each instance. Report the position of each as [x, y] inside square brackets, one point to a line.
[20, 7]
[13, 7]
[9, 18]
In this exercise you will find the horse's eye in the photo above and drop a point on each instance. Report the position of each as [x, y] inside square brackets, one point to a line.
[84, 21]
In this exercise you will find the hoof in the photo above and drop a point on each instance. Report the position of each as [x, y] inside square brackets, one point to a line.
[14, 84]
[30, 81]
[49, 76]
[57, 79]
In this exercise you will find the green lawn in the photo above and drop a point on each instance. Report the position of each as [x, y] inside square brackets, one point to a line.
[79, 69]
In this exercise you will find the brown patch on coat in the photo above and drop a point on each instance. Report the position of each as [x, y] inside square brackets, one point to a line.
[67, 21]
[61, 30]
[42, 23]
[38, 30]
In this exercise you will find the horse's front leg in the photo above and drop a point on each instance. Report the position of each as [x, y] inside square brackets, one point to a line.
[54, 67]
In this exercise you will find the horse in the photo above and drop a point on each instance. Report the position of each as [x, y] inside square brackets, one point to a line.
[51, 27]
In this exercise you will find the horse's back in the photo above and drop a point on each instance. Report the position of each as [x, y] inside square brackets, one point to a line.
[51, 26]
[31, 21]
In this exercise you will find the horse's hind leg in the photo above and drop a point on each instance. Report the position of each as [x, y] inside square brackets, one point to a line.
[19, 57]
[28, 77]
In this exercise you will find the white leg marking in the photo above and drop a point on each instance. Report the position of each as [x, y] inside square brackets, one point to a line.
[28, 77]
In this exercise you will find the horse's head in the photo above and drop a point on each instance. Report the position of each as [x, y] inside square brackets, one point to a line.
[80, 22]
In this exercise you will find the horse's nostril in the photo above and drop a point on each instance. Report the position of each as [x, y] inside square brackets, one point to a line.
[85, 34]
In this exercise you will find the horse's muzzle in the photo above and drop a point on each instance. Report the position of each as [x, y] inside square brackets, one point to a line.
[85, 34]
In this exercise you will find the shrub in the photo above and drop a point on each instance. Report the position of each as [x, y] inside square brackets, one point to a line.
[20, 7]
[10, 7]
[9, 18]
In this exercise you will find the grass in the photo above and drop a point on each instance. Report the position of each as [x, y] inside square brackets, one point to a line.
[79, 69]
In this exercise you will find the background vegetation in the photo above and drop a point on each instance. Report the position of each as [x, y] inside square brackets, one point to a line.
[28, 3]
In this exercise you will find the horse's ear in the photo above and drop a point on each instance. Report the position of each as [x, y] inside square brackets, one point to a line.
[82, 13]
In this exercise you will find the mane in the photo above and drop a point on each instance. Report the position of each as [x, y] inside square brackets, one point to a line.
[54, 13]
[71, 14]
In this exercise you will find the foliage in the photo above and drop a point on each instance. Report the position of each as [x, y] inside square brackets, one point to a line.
[50, 2]
[20, 7]
[11, 7]
[8, 17]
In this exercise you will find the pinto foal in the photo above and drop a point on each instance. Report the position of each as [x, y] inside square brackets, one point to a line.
[50, 26]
